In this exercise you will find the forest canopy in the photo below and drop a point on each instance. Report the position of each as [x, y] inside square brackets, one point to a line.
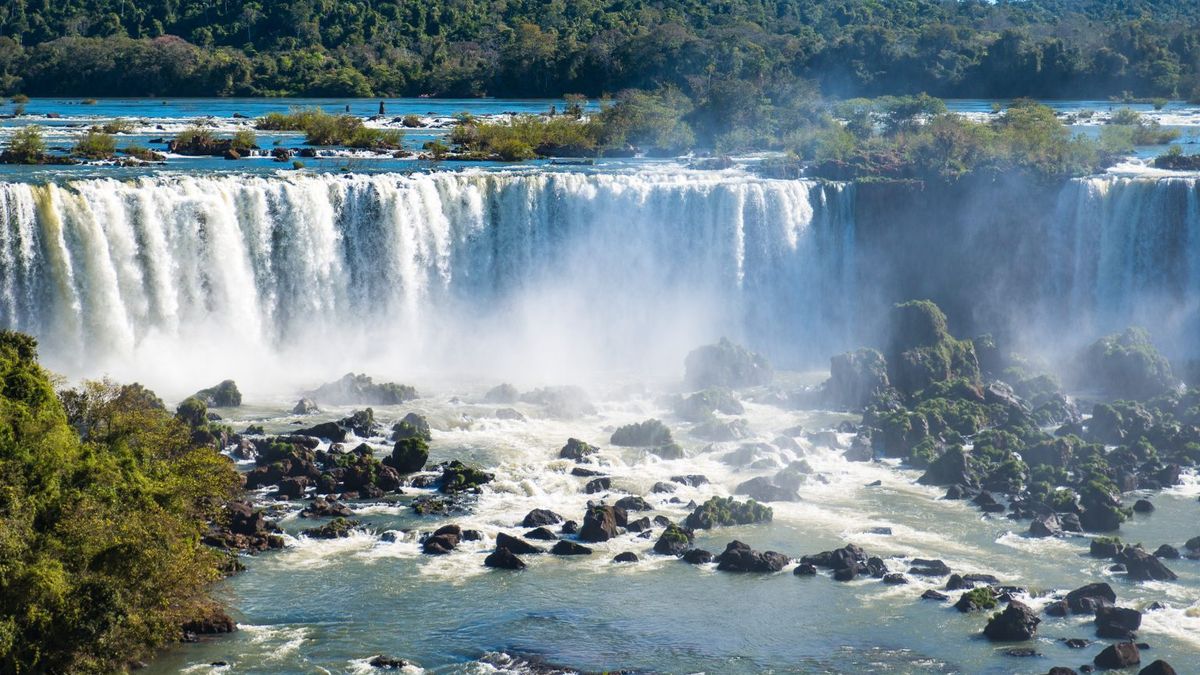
[528, 48]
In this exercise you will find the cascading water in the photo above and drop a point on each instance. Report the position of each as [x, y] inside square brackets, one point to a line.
[308, 274]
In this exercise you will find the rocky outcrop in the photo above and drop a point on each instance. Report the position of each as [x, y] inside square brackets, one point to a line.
[855, 379]
[409, 455]
[601, 523]
[577, 450]
[1015, 624]
[674, 540]
[354, 389]
[503, 558]
[726, 365]
[725, 511]
[739, 557]
[223, 395]
[1120, 655]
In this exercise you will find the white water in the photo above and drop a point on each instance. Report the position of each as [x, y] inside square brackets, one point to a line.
[290, 280]
[479, 272]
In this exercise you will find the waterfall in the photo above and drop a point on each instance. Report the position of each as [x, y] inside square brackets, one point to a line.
[200, 275]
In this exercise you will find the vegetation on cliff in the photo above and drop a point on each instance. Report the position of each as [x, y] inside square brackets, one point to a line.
[103, 501]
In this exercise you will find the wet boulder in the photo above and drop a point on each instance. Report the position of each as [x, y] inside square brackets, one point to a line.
[1142, 566]
[725, 511]
[223, 395]
[334, 529]
[1117, 656]
[739, 557]
[597, 485]
[855, 379]
[1087, 599]
[516, 545]
[577, 450]
[460, 477]
[503, 394]
[305, 406]
[504, 559]
[542, 534]
[726, 365]
[565, 547]
[1015, 624]
[702, 405]
[409, 455]
[443, 540]
[674, 540]
[921, 350]
[650, 433]
[697, 556]
[976, 600]
[1117, 623]
[633, 503]
[412, 426]
[765, 489]
[1159, 667]
[1045, 526]
[626, 557]
[600, 523]
[540, 518]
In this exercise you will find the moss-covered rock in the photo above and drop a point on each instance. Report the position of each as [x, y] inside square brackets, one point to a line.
[409, 455]
[223, 395]
[334, 529]
[577, 450]
[651, 433]
[702, 405]
[1125, 365]
[726, 511]
[355, 389]
[412, 426]
[674, 540]
[856, 379]
[921, 350]
[459, 477]
[726, 365]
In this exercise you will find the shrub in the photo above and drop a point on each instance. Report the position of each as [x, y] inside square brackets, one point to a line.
[121, 126]
[19, 99]
[243, 141]
[411, 121]
[26, 146]
[437, 149]
[144, 154]
[95, 145]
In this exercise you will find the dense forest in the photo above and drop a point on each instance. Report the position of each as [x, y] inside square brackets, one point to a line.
[524, 48]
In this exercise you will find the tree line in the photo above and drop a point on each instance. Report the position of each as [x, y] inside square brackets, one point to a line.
[532, 48]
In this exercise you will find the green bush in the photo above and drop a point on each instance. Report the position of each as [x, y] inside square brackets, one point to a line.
[244, 141]
[95, 145]
[121, 126]
[105, 499]
[26, 146]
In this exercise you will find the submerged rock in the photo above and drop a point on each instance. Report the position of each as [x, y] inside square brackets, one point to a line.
[1117, 623]
[565, 547]
[1120, 655]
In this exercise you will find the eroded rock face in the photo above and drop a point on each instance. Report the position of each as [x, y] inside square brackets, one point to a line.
[921, 350]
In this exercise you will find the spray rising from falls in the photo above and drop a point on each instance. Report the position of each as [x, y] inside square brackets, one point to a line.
[547, 276]
[300, 276]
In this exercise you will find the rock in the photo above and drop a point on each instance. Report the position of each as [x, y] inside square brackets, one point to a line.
[330, 431]
[504, 394]
[1143, 506]
[723, 511]
[697, 556]
[598, 485]
[633, 503]
[921, 350]
[929, 568]
[674, 540]
[726, 365]
[412, 426]
[577, 450]
[541, 534]
[1016, 623]
[1104, 547]
[581, 472]
[334, 529]
[1159, 667]
[1060, 670]
[662, 488]
[702, 405]
[934, 595]
[1125, 365]
[409, 455]
[764, 489]
[599, 523]
[1117, 623]
[516, 545]
[1142, 566]
[855, 379]
[305, 406]
[1120, 655]
[353, 389]
[458, 477]
[976, 600]
[696, 480]
[509, 414]
[626, 557]
[1076, 643]
[564, 547]
[720, 431]
[569, 527]
[1022, 652]
[1167, 552]
[322, 508]
[223, 395]
[505, 559]
[805, 570]
[650, 433]
[1087, 599]
[443, 540]
[739, 557]
[213, 622]
[541, 517]
[1045, 526]
[895, 578]
[563, 402]
[387, 663]
[291, 488]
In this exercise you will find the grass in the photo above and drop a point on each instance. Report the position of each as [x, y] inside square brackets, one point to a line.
[95, 144]
[323, 129]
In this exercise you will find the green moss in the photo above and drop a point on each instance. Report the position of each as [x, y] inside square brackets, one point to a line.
[459, 477]
[981, 598]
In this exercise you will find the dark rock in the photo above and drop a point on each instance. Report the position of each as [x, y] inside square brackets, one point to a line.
[569, 527]
[355, 389]
[1117, 623]
[1045, 526]
[387, 663]
[805, 570]
[1016, 623]
[1143, 506]
[739, 557]
[542, 534]
[956, 582]
[1159, 667]
[1086, 599]
[580, 472]
[650, 433]
[633, 503]
[626, 557]
[1168, 552]
[1120, 655]
[697, 556]
[1104, 547]
[662, 488]
[577, 450]
[223, 395]
[724, 511]
[600, 523]
[412, 426]
[929, 568]
[459, 477]
[564, 547]
[1076, 643]
[214, 622]
[1142, 566]
[409, 454]
[334, 529]
[1060, 670]
[442, 541]
[516, 545]
[696, 480]
[855, 379]
[895, 578]
[322, 508]
[1022, 652]
[541, 517]
[764, 489]
[505, 559]
[598, 485]
[934, 595]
